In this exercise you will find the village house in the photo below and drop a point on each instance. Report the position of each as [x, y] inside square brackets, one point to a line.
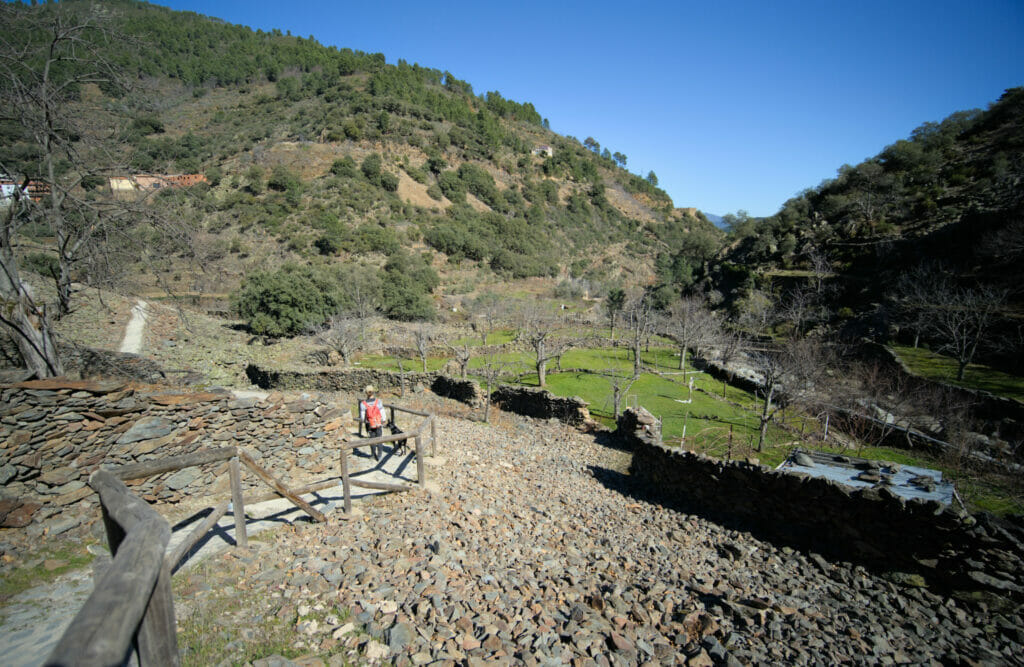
[546, 151]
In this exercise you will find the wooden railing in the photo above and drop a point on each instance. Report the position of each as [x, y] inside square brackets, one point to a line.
[131, 611]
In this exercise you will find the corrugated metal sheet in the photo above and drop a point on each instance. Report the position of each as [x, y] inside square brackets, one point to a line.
[903, 480]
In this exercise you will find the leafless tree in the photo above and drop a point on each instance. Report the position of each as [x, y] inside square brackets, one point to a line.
[691, 325]
[821, 267]
[491, 371]
[639, 319]
[800, 307]
[462, 353]
[756, 313]
[797, 366]
[729, 346]
[56, 110]
[539, 329]
[346, 334]
[423, 335]
[486, 311]
[959, 318]
[962, 320]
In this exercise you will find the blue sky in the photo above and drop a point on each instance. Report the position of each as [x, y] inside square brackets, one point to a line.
[734, 105]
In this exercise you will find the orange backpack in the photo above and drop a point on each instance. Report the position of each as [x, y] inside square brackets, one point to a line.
[373, 416]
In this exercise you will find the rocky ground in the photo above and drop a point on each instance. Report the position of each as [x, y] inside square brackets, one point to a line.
[538, 549]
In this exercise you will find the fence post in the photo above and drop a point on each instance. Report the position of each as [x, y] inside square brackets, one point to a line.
[421, 480]
[433, 435]
[238, 504]
[344, 481]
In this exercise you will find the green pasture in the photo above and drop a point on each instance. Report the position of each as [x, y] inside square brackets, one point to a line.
[720, 420]
[939, 367]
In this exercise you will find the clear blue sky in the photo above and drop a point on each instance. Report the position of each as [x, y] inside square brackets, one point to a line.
[734, 105]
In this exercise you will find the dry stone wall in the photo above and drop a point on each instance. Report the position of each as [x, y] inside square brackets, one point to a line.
[542, 404]
[871, 526]
[54, 434]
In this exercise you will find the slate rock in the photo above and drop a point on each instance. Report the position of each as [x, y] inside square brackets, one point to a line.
[147, 428]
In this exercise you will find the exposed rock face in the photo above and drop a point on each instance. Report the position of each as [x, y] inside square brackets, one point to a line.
[870, 526]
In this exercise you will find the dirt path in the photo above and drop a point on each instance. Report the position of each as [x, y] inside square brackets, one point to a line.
[132, 342]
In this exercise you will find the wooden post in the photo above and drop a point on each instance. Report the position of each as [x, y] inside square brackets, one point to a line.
[158, 633]
[238, 504]
[420, 477]
[433, 435]
[345, 480]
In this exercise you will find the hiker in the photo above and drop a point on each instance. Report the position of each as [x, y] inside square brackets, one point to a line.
[371, 413]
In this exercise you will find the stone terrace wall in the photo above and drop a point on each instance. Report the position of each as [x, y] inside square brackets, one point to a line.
[538, 403]
[542, 404]
[54, 434]
[350, 380]
[874, 527]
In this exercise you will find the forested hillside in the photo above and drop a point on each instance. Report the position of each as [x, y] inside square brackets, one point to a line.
[936, 215]
[334, 160]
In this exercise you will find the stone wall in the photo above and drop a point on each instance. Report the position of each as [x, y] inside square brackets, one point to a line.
[870, 526]
[55, 433]
[542, 404]
[538, 403]
[465, 391]
[351, 380]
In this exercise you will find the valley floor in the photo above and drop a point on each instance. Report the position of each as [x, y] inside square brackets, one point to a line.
[536, 547]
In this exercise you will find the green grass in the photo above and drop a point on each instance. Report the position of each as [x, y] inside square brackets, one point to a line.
[939, 367]
[721, 426]
[68, 556]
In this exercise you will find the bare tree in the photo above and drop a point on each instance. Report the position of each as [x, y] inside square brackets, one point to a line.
[729, 346]
[821, 267]
[620, 385]
[800, 307]
[959, 318]
[962, 319]
[491, 371]
[691, 325]
[539, 330]
[756, 312]
[798, 366]
[639, 319]
[423, 335]
[346, 334]
[486, 310]
[462, 353]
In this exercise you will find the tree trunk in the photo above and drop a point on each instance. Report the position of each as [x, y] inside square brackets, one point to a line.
[766, 416]
[682, 357]
[542, 372]
[27, 324]
[961, 367]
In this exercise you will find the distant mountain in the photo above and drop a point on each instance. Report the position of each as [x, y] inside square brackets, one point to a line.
[716, 220]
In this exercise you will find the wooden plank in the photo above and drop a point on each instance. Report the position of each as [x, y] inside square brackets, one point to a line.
[433, 435]
[354, 444]
[301, 491]
[157, 638]
[381, 486]
[412, 412]
[238, 504]
[346, 482]
[150, 468]
[279, 487]
[202, 529]
[103, 629]
[421, 478]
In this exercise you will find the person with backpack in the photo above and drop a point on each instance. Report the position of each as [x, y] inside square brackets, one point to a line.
[371, 413]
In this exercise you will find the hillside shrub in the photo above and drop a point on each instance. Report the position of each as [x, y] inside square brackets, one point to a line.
[288, 301]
